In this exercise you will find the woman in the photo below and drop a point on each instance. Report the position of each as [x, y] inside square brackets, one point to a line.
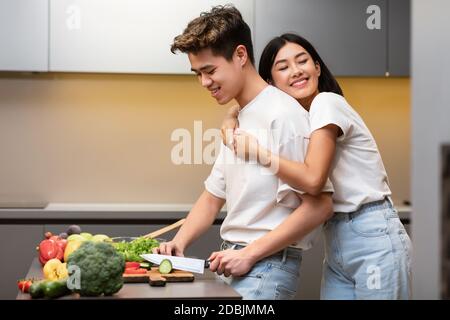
[367, 250]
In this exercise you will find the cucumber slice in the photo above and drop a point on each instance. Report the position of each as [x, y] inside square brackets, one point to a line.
[145, 265]
[165, 266]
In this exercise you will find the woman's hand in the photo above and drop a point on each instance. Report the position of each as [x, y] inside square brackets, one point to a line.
[229, 125]
[246, 146]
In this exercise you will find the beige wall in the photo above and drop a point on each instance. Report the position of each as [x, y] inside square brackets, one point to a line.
[385, 106]
[106, 138]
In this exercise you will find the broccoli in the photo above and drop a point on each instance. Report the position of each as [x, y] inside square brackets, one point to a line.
[101, 268]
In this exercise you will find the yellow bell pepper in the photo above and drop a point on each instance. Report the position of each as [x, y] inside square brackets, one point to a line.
[54, 269]
[70, 248]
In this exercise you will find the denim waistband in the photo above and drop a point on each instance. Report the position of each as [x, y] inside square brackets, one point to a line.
[286, 252]
[379, 205]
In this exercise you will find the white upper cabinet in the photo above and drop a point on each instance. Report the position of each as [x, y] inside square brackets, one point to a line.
[23, 35]
[124, 36]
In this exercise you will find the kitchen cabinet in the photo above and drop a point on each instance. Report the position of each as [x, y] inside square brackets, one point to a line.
[24, 35]
[337, 29]
[123, 36]
[399, 42]
[17, 247]
[353, 37]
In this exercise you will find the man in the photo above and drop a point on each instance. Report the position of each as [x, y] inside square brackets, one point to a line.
[264, 232]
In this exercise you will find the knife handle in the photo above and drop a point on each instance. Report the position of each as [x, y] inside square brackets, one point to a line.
[207, 262]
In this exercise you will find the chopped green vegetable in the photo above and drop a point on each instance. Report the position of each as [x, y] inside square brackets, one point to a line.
[131, 251]
[165, 266]
[145, 265]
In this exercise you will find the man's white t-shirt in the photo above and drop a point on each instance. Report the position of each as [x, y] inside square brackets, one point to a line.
[357, 173]
[257, 201]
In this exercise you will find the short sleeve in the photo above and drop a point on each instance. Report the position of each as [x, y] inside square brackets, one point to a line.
[327, 108]
[286, 196]
[294, 150]
[215, 183]
[328, 187]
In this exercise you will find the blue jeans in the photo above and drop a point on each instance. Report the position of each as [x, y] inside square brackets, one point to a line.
[273, 278]
[367, 255]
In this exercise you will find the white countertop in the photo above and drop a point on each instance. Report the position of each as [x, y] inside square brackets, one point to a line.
[115, 207]
[119, 211]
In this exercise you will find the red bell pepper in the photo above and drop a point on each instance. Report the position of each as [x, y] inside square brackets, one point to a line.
[51, 249]
[48, 249]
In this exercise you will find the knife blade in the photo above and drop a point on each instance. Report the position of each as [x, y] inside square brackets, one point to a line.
[180, 263]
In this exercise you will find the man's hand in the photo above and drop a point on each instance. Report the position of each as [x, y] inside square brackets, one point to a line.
[170, 248]
[231, 262]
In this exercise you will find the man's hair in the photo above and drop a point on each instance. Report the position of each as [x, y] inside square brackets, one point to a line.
[221, 30]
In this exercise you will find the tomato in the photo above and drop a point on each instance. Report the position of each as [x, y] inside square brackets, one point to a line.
[134, 265]
[135, 271]
[24, 285]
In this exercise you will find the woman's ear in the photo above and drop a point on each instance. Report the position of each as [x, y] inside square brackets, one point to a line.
[241, 54]
[318, 68]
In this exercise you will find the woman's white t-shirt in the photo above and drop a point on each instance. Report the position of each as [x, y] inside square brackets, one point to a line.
[357, 172]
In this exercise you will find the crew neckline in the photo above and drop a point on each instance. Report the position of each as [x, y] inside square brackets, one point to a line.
[252, 102]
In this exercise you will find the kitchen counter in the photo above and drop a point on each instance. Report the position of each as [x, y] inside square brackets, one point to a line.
[110, 219]
[205, 286]
[98, 211]
[107, 212]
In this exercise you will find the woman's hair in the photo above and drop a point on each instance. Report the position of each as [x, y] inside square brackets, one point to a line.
[222, 29]
[327, 82]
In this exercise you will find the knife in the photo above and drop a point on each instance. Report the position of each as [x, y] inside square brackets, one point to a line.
[180, 263]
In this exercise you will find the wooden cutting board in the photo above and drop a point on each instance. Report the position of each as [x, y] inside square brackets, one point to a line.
[155, 278]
